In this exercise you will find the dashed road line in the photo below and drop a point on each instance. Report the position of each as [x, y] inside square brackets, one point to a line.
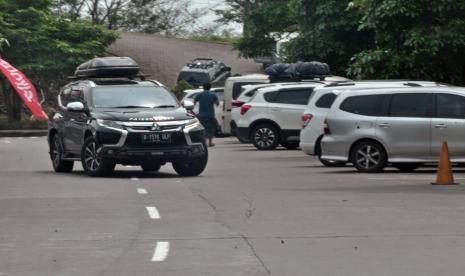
[134, 179]
[161, 252]
[153, 212]
[7, 142]
[142, 191]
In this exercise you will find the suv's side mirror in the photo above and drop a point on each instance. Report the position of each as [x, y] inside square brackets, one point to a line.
[188, 105]
[75, 107]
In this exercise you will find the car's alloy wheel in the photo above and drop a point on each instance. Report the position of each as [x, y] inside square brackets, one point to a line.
[369, 157]
[56, 154]
[92, 163]
[265, 137]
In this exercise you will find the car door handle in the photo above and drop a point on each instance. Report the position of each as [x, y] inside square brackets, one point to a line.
[384, 125]
[440, 126]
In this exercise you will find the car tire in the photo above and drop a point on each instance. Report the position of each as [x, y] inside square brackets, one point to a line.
[150, 167]
[265, 137]
[368, 156]
[290, 145]
[56, 154]
[92, 164]
[192, 167]
[406, 167]
[327, 163]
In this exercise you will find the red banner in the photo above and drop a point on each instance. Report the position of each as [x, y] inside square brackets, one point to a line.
[25, 89]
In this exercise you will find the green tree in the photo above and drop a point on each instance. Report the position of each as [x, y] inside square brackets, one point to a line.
[415, 39]
[328, 32]
[46, 47]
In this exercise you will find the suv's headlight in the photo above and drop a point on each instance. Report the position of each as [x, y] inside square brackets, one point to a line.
[110, 124]
[192, 123]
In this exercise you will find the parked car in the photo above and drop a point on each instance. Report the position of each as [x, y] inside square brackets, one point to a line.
[233, 89]
[272, 116]
[204, 70]
[104, 122]
[322, 100]
[401, 126]
[248, 92]
[189, 97]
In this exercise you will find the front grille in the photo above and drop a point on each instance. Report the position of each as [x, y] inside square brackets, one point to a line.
[134, 140]
[148, 128]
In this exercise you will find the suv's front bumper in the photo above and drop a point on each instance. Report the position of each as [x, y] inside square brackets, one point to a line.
[187, 141]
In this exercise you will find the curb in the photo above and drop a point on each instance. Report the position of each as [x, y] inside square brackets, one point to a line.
[23, 133]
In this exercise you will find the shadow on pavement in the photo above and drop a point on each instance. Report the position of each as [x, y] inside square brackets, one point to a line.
[121, 174]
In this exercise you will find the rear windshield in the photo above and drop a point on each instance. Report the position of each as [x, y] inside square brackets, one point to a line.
[132, 96]
[194, 77]
[237, 88]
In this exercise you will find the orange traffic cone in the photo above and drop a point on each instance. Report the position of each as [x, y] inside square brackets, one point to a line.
[444, 176]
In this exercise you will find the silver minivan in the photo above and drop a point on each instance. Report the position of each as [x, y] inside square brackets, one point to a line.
[401, 126]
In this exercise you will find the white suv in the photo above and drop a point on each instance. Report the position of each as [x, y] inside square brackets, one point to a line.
[319, 105]
[272, 116]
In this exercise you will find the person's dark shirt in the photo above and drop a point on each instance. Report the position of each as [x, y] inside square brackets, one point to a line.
[207, 101]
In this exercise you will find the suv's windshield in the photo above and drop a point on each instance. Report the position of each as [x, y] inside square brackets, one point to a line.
[132, 97]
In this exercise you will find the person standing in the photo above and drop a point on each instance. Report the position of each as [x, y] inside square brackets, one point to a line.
[207, 101]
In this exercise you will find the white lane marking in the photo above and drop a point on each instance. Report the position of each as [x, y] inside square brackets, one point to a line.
[134, 179]
[153, 212]
[161, 251]
[7, 142]
[142, 191]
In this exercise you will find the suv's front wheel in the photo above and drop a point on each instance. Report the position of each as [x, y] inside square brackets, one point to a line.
[91, 162]
[56, 154]
[193, 166]
[369, 156]
[265, 137]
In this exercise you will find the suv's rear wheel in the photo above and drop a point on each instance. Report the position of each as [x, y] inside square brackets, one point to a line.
[93, 164]
[150, 167]
[369, 156]
[56, 154]
[406, 167]
[265, 137]
[193, 166]
[290, 145]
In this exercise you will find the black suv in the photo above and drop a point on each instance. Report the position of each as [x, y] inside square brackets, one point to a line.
[104, 122]
[204, 70]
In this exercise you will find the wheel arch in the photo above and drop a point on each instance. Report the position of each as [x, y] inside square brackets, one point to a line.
[317, 148]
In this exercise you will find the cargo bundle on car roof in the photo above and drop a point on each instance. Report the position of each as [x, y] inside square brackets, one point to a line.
[298, 71]
[108, 67]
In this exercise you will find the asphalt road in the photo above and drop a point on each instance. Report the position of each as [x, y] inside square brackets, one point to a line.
[251, 213]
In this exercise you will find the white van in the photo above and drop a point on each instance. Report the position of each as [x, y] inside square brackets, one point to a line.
[232, 90]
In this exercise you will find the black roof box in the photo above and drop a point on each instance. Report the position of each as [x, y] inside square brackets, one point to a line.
[105, 67]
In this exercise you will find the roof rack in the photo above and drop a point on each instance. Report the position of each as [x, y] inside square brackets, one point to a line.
[313, 78]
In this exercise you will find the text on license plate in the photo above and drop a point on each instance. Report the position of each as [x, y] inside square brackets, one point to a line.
[156, 138]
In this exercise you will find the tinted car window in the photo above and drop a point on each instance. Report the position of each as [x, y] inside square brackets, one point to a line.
[293, 97]
[237, 88]
[450, 106]
[270, 96]
[366, 105]
[194, 77]
[326, 101]
[76, 96]
[65, 96]
[410, 105]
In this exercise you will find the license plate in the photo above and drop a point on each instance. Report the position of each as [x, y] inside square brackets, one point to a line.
[156, 138]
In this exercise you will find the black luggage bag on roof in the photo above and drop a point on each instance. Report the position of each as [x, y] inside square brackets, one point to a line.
[107, 67]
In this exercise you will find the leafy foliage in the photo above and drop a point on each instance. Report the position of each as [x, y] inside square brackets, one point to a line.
[47, 47]
[178, 90]
[414, 39]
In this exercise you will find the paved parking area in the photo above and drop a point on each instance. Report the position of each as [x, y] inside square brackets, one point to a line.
[250, 213]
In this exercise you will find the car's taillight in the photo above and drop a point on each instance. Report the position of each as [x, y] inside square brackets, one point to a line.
[306, 118]
[326, 127]
[237, 103]
[245, 108]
